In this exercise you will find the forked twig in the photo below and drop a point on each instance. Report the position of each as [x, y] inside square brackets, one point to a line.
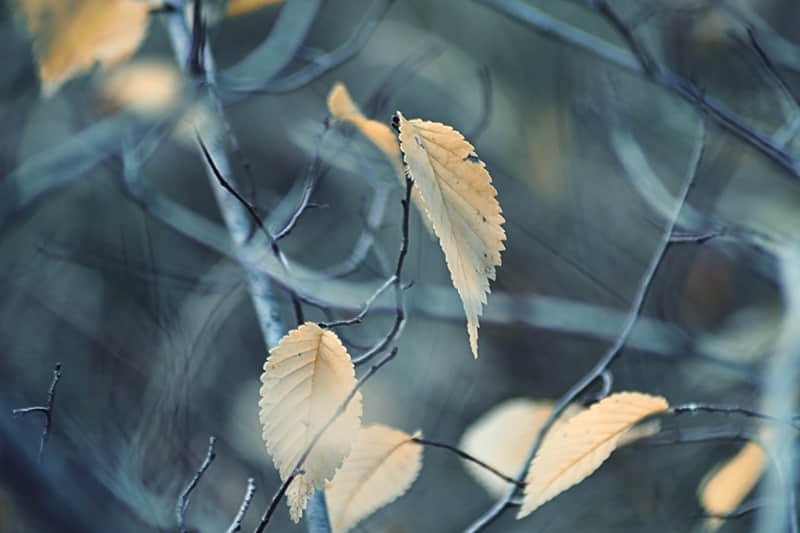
[46, 410]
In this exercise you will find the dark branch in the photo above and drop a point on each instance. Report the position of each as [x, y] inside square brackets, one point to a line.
[46, 410]
[729, 409]
[396, 280]
[464, 455]
[183, 499]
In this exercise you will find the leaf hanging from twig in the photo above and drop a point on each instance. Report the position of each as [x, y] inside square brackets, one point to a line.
[578, 448]
[306, 377]
[456, 192]
[70, 36]
[724, 487]
[502, 437]
[381, 467]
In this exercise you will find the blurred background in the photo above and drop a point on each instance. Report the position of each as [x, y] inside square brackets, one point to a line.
[148, 309]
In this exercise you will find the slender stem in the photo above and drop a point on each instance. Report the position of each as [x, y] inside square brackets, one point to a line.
[296, 471]
[730, 409]
[183, 499]
[464, 455]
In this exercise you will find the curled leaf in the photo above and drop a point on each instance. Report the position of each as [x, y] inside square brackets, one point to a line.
[306, 377]
[381, 467]
[457, 195]
[723, 489]
[573, 451]
[70, 36]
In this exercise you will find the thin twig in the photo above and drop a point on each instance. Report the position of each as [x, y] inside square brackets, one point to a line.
[464, 455]
[359, 317]
[46, 410]
[613, 351]
[236, 525]
[728, 409]
[183, 499]
[400, 312]
[296, 471]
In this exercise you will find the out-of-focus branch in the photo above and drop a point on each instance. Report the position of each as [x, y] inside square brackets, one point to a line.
[541, 22]
[46, 410]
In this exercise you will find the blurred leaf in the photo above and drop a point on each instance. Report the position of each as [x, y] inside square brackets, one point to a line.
[581, 445]
[382, 466]
[70, 36]
[240, 7]
[305, 379]
[456, 193]
[723, 489]
[147, 87]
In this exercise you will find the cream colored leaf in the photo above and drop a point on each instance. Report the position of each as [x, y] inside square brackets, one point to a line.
[723, 489]
[381, 467]
[457, 194]
[306, 377]
[578, 448]
[147, 87]
[503, 436]
[240, 7]
[70, 36]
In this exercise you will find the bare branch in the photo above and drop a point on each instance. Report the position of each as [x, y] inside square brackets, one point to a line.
[183, 499]
[236, 525]
[46, 410]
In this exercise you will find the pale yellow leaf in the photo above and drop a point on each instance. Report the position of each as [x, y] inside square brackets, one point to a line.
[723, 489]
[457, 195]
[147, 87]
[503, 436]
[70, 36]
[306, 377]
[240, 7]
[577, 448]
[381, 467]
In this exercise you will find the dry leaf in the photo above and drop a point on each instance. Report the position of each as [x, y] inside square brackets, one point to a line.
[502, 438]
[723, 489]
[578, 448]
[457, 194]
[147, 87]
[306, 377]
[240, 7]
[382, 466]
[70, 36]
